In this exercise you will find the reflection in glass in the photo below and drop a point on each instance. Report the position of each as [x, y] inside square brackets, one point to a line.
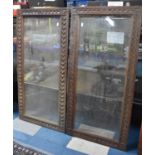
[102, 61]
[41, 63]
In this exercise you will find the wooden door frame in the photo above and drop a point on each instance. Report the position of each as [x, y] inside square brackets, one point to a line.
[76, 13]
[63, 13]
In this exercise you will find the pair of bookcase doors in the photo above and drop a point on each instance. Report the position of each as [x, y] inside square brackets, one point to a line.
[76, 70]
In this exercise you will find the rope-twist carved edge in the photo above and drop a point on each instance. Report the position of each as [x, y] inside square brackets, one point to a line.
[43, 12]
[63, 69]
[105, 10]
[20, 64]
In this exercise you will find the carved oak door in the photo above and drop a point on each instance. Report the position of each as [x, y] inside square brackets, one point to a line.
[42, 38]
[103, 48]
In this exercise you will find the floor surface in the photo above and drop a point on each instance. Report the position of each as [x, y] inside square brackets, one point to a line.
[52, 142]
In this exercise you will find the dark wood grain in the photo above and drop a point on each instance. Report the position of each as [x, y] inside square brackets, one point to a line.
[140, 142]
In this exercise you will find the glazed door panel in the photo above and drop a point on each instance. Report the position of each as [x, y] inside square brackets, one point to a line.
[102, 59]
[41, 68]
[44, 54]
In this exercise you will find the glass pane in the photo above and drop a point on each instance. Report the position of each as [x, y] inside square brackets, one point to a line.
[102, 61]
[41, 66]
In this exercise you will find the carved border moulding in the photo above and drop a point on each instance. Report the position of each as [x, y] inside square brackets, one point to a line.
[44, 12]
[125, 116]
[64, 20]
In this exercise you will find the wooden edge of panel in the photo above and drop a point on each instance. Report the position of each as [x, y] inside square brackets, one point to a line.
[99, 10]
[140, 142]
[41, 123]
[95, 139]
[63, 69]
[20, 77]
[71, 90]
[129, 81]
[44, 12]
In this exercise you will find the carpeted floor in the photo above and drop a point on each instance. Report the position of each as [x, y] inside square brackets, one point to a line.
[50, 142]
